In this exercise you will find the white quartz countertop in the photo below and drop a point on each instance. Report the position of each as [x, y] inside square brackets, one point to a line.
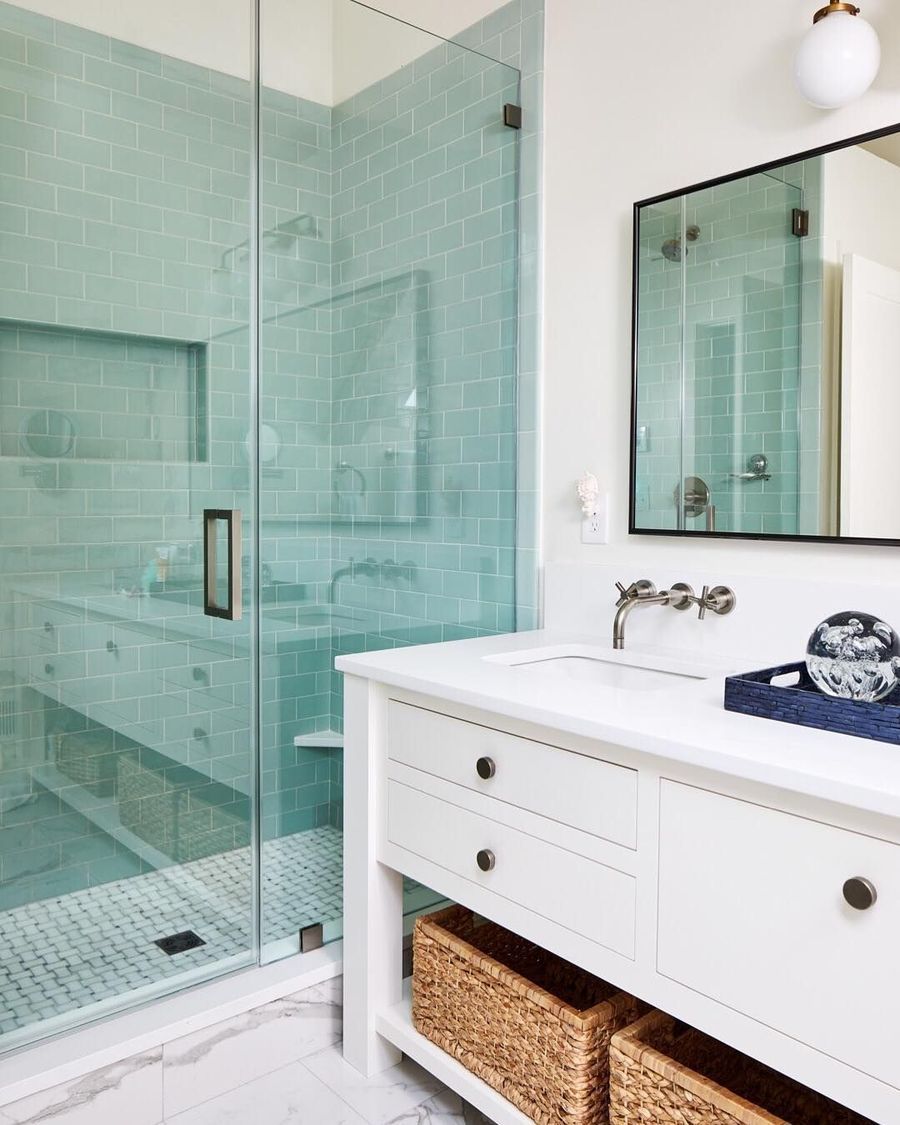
[687, 723]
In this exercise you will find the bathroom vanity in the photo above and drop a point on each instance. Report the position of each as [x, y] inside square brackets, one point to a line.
[740, 874]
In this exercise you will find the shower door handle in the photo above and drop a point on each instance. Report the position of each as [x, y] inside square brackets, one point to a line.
[232, 609]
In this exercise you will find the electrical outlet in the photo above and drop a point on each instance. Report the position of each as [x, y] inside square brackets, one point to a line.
[595, 527]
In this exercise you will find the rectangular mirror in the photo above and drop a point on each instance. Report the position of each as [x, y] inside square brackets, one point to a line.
[766, 387]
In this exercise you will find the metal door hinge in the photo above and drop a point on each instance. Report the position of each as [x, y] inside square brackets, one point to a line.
[512, 116]
[312, 937]
[800, 222]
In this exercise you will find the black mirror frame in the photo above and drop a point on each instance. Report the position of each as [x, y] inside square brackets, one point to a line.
[632, 473]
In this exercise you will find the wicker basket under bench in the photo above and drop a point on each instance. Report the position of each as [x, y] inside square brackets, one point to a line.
[532, 1026]
[663, 1073]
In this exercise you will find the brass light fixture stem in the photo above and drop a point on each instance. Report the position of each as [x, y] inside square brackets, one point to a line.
[829, 8]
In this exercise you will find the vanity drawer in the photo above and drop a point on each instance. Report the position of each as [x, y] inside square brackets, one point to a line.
[588, 794]
[752, 914]
[586, 897]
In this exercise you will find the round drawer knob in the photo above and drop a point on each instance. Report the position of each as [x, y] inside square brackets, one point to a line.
[860, 893]
[486, 768]
[486, 859]
[48, 669]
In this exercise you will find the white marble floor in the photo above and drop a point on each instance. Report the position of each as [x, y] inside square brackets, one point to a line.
[279, 1064]
[323, 1090]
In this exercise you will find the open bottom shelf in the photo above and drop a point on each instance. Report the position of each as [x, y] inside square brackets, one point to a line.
[395, 1024]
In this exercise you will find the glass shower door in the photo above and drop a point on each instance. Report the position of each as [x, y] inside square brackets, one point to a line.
[389, 259]
[127, 738]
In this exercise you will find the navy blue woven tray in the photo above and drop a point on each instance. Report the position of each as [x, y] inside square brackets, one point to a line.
[805, 705]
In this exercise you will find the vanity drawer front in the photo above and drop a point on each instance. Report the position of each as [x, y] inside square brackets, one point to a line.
[752, 914]
[590, 795]
[586, 897]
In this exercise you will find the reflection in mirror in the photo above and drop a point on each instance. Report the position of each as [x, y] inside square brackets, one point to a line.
[767, 326]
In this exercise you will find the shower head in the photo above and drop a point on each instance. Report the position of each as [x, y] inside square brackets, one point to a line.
[672, 248]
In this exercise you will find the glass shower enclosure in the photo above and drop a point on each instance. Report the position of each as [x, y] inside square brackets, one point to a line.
[258, 344]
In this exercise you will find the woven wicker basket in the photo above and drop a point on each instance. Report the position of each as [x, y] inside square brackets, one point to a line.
[531, 1025]
[88, 759]
[662, 1073]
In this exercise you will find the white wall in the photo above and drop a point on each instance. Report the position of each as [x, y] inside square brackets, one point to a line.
[862, 195]
[659, 98]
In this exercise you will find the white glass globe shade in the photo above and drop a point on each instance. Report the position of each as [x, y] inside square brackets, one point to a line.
[837, 60]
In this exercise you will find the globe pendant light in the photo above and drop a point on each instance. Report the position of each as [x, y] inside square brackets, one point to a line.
[838, 58]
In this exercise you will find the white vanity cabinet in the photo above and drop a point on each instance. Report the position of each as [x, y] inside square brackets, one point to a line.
[752, 914]
[711, 896]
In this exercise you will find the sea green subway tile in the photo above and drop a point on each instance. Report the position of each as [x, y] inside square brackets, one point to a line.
[29, 136]
[13, 161]
[197, 229]
[84, 204]
[13, 219]
[63, 283]
[126, 161]
[115, 290]
[103, 127]
[94, 100]
[109, 75]
[17, 76]
[129, 107]
[115, 185]
[12, 103]
[55, 59]
[110, 236]
[141, 216]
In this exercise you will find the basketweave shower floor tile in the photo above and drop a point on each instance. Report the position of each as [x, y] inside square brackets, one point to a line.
[96, 944]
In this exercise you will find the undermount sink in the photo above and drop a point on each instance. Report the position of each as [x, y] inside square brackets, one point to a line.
[595, 667]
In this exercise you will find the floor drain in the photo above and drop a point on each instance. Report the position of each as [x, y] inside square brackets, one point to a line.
[179, 943]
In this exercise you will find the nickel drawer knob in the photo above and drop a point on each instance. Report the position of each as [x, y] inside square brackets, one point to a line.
[486, 859]
[860, 893]
[486, 768]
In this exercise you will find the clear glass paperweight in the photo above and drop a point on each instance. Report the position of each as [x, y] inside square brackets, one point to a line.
[854, 655]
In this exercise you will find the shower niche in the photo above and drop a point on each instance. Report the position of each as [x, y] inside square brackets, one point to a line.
[84, 395]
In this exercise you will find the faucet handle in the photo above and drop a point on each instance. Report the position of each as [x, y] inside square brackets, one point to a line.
[643, 588]
[720, 599]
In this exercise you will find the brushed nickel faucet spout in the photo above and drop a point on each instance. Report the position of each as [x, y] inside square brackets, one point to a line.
[642, 592]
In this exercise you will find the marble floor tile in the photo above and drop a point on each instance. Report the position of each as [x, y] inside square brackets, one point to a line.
[445, 1108]
[290, 1096]
[229, 1054]
[129, 1091]
[381, 1099]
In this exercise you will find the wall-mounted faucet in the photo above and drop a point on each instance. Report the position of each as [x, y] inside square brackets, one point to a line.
[389, 570]
[720, 600]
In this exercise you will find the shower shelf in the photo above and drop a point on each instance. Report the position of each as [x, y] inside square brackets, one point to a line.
[103, 812]
[321, 740]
